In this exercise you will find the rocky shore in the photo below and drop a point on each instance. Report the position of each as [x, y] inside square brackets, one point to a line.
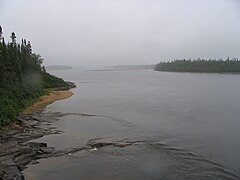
[17, 148]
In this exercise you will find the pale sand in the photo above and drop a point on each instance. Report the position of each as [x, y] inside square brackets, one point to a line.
[49, 99]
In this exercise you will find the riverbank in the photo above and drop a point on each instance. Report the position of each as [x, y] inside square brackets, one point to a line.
[16, 152]
[16, 148]
[50, 98]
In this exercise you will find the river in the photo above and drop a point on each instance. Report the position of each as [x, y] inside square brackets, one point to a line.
[187, 126]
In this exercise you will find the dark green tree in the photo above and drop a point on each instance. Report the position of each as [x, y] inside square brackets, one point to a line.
[201, 65]
[13, 37]
[23, 78]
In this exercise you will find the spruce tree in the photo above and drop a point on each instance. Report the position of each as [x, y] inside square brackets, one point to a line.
[13, 37]
[1, 33]
[22, 77]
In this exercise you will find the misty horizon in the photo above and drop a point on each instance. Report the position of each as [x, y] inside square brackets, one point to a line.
[119, 89]
[107, 33]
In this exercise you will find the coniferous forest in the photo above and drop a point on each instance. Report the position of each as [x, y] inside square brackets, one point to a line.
[201, 65]
[23, 78]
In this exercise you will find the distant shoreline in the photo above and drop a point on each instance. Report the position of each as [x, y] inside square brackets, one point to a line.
[50, 98]
[201, 66]
[226, 73]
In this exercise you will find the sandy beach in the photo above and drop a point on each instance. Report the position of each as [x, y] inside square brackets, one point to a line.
[49, 99]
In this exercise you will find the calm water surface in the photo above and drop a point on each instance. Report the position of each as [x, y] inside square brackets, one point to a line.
[189, 124]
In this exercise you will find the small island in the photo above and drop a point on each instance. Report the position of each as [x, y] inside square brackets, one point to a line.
[201, 65]
[23, 79]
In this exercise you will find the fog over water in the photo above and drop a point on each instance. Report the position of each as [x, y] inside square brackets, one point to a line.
[111, 32]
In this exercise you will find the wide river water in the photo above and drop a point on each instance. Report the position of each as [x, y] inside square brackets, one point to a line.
[188, 125]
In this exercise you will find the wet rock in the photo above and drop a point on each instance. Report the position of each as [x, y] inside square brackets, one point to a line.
[101, 142]
[2, 173]
[8, 162]
[36, 144]
[75, 149]
[26, 150]
[122, 144]
[16, 151]
[11, 173]
[47, 150]
[24, 160]
[34, 162]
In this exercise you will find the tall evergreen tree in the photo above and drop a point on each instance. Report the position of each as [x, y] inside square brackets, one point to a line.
[22, 77]
[13, 37]
[1, 33]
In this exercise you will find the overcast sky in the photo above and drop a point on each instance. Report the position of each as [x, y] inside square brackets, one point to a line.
[111, 32]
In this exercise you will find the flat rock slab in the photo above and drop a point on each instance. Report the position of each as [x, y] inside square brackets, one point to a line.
[17, 150]
[47, 149]
[101, 142]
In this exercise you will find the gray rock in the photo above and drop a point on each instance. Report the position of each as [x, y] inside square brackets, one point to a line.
[37, 144]
[8, 162]
[122, 144]
[47, 150]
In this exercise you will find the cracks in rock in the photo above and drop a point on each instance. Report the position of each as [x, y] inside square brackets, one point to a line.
[16, 152]
[101, 142]
[13, 162]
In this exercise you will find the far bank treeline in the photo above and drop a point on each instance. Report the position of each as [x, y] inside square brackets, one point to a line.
[201, 65]
[22, 77]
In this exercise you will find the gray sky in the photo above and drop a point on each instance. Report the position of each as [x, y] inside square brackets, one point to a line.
[110, 32]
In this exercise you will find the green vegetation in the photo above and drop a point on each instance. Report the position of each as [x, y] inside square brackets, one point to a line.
[22, 78]
[201, 65]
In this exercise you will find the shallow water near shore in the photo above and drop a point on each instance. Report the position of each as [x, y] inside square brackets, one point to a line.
[187, 126]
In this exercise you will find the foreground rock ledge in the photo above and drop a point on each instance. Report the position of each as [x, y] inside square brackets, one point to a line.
[16, 152]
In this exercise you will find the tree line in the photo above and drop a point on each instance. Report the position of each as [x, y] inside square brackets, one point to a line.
[23, 78]
[201, 65]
